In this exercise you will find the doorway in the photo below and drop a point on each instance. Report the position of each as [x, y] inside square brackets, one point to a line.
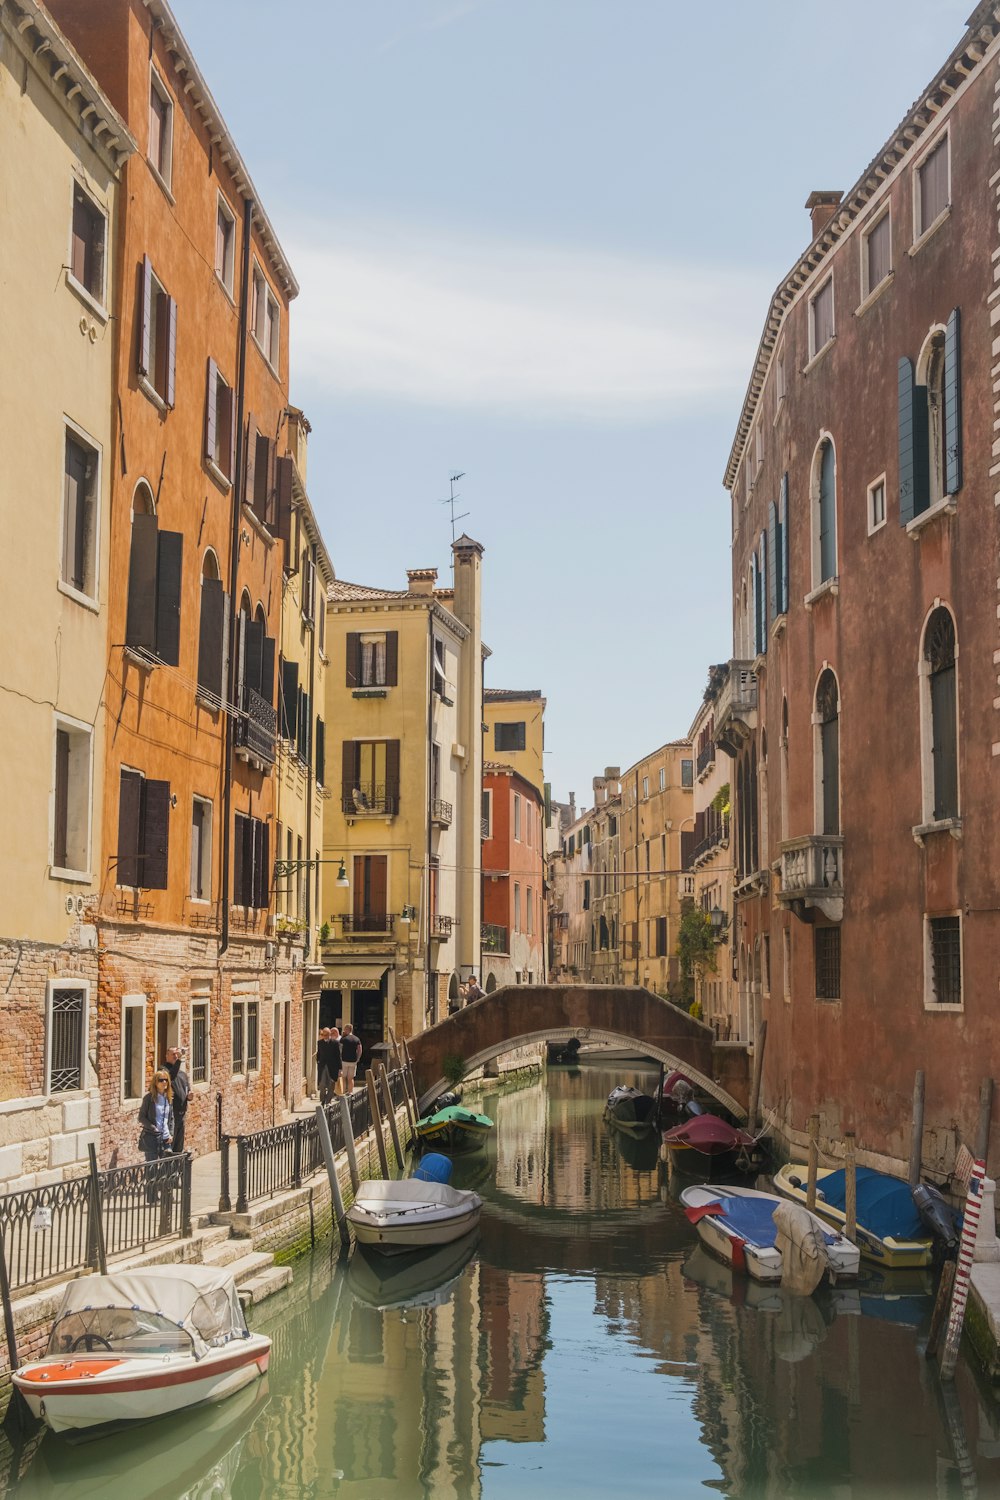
[168, 1032]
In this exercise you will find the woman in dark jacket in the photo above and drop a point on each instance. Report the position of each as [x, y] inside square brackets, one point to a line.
[156, 1117]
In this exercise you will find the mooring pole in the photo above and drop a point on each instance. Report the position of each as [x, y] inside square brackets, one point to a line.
[390, 1114]
[347, 1120]
[8, 1311]
[813, 1161]
[95, 1209]
[850, 1189]
[408, 1071]
[758, 1067]
[323, 1126]
[383, 1159]
[963, 1272]
[397, 1058]
[917, 1128]
[983, 1127]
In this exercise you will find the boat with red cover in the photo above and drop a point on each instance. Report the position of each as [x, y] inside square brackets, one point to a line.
[710, 1136]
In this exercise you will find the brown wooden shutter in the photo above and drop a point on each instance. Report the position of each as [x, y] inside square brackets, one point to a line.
[320, 753]
[145, 314]
[169, 556]
[171, 351]
[353, 658]
[140, 623]
[270, 496]
[211, 414]
[253, 652]
[153, 860]
[289, 687]
[261, 872]
[284, 511]
[377, 885]
[129, 803]
[267, 669]
[349, 769]
[211, 636]
[391, 657]
[239, 839]
[359, 887]
[687, 848]
[249, 491]
[392, 776]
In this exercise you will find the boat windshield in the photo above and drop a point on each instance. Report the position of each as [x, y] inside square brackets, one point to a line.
[118, 1330]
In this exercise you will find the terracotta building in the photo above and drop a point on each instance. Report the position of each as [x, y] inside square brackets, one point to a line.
[201, 508]
[861, 708]
[514, 911]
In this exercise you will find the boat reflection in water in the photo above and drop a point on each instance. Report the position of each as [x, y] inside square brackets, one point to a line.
[424, 1279]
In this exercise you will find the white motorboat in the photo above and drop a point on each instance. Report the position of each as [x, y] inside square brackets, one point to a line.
[412, 1215]
[135, 1345]
[737, 1224]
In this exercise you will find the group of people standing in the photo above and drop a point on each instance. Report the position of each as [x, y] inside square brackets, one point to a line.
[163, 1110]
[467, 993]
[337, 1057]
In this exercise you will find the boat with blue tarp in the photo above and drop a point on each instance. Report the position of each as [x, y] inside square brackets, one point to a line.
[889, 1227]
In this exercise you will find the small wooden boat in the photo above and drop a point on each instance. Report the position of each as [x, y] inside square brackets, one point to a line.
[708, 1135]
[737, 1224]
[454, 1129]
[889, 1227]
[630, 1109]
[412, 1215]
[140, 1344]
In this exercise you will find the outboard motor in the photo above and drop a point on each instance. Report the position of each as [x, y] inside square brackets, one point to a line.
[936, 1213]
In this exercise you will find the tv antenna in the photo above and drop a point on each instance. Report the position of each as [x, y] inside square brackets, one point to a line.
[452, 497]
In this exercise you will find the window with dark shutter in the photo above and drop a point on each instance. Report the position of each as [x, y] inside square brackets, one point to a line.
[169, 555]
[827, 516]
[392, 775]
[140, 622]
[129, 809]
[783, 523]
[764, 591]
[509, 736]
[773, 561]
[155, 835]
[914, 470]
[261, 873]
[353, 653]
[283, 517]
[940, 656]
[211, 636]
[289, 704]
[79, 563]
[828, 715]
[953, 405]
[239, 859]
[320, 753]
[391, 658]
[88, 244]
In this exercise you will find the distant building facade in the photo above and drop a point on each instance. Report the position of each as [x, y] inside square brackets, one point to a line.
[657, 799]
[514, 907]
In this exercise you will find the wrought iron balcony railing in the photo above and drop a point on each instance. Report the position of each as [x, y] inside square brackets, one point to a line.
[355, 925]
[362, 799]
[256, 727]
[812, 874]
[706, 758]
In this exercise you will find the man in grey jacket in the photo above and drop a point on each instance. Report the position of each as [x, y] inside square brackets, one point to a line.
[181, 1086]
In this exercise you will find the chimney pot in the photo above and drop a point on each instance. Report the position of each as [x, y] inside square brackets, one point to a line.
[421, 580]
[822, 206]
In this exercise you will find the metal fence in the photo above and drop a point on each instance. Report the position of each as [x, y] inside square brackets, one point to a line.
[49, 1231]
[272, 1161]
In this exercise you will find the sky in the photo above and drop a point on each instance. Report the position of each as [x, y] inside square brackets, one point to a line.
[536, 242]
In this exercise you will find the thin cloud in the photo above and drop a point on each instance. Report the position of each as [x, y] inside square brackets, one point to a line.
[535, 330]
[434, 22]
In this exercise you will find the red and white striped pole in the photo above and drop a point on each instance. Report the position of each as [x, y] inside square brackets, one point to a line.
[963, 1270]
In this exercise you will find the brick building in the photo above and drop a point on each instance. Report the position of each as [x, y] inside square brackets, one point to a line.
[860, 711]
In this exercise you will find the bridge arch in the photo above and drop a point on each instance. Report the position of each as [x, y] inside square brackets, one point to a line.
[522, 1015]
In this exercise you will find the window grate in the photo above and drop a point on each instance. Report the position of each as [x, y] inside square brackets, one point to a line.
[67, 1041]
[199, 1044]
[946, 960]
[827, 963]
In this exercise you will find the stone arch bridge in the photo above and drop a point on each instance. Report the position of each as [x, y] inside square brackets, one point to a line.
[519, 1015]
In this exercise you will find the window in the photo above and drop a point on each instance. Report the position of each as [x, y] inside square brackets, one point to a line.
[373, 659]
[153, 620]
[827, 950]
[821, 328]
[487, 815]
[277, 1041]
[508, 736]
[586, 895]
[940, 717]
[944, 960]
[265, 317]
[876, 504]
[71, 799]
[530, 911]
[199, 1061]
[370, 782]
[876, 255]
[67, 1035]
[81, 487]
[220, 424]
[157, 337]
[370, 892]
[930, 422]
[828, 732]
[260, 489]
[687, 773]
[824, 511]
[786, 964]
[211, 628]
[246, 1035]
[663, 778]
[933, 188]
[88, 246]
[517, 816]
[308, 589]
[201, 850]
[225, 244]
[133, 1046]
[161, 117]
[517, 906]
[645, 787]
[661, 937]
[319, 761]
[779, 382]
[303, 743]
[442, 687]
[143, 831]
[251, 867]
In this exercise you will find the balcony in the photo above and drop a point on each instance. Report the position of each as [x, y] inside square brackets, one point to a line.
[256, 729]
[713, 839]
[441, 813]
[736, 708]
[367, 799]
[441, 928]
[379, 922]
[706, 759]
[494, 939]
[812, 875]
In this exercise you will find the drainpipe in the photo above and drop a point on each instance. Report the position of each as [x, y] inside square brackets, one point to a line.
[427, 809]
[234, 567]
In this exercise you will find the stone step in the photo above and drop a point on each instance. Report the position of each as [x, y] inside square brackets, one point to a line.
[258, 1288]
[249, 1266]
[226, 1251]
[208, 1238]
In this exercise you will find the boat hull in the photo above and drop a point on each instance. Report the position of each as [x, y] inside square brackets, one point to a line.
[72, 1394]
[454, 1139]
[380, 1233]
[762, 1262]
[893, 1254]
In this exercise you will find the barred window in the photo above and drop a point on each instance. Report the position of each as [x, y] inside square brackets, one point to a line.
[827, 963]
[239, 1012]
[945, 942]
[199, 1042]
[67, 1033]
[253, 1036]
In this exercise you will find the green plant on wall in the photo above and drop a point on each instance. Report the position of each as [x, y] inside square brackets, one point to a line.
[696, 950]
[721, 801]
[453, 1068]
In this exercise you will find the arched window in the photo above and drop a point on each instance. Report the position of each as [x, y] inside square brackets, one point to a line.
[153, 619]
[824, 508]
[930, 374]
[941, 715]
[930, 422]
[827, 721]
[491, 983]
[752, 799]
[212, 627]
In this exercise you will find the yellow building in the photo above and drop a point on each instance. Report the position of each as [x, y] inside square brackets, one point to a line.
[514, 731]
[401, 834]
[303, 773]
[657, 807]
[59, 177]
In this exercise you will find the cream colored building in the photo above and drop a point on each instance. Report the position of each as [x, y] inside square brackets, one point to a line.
[514, 731]
[605, 902]
[657, 807]
[709, 861]
[64, 147]
[401, 892]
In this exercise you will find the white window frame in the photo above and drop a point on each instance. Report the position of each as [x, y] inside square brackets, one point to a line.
[874, 525]
[90, 601]
[869, 292]
[67, 982]
[242, 1000]
[927, 727]
[645, 788]
[921, 235]
[264, 300]
[930, 1004]
[487, 817]
[63, 872]
[200, 998]
[206, 857]
[663, 778]
[822, 585]
[517, 817]
[134, 1002]
[164, 177]
[227, 282]
[816, 350]
[97, 305]
[147, 382]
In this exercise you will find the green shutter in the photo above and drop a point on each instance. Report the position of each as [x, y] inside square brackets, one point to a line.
[774, 562]
[783, 545]
[914, 479]
[952, 406]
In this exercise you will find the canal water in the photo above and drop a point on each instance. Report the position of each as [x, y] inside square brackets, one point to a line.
[581, 1345]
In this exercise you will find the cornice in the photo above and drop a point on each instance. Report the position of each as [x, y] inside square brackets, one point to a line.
[304, 506]
[964, 62]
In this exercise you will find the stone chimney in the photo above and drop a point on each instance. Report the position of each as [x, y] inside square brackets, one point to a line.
[421, 580]
[572, 807]
[822, 206]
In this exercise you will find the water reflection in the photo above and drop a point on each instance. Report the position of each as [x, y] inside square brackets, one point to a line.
[585, 1338]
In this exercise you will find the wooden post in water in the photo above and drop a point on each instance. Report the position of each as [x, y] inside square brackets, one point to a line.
[753, 1117]
[323, 1125]
[940, 1312]
[408, 1072]
[95, 1209]
[390, 1114]
[397, 1058]
[917, 1128]
[813, 1161]
[850, 1189]
[383, 1159]
[983, 1127]
[347, 1120]
[963, 1271]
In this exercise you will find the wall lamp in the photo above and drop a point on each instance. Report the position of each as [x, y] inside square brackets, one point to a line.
[719, 920]
[408, 914]
[342, 881]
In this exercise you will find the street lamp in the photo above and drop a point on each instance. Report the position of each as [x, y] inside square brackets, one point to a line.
[342, 881]
[719, 920]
